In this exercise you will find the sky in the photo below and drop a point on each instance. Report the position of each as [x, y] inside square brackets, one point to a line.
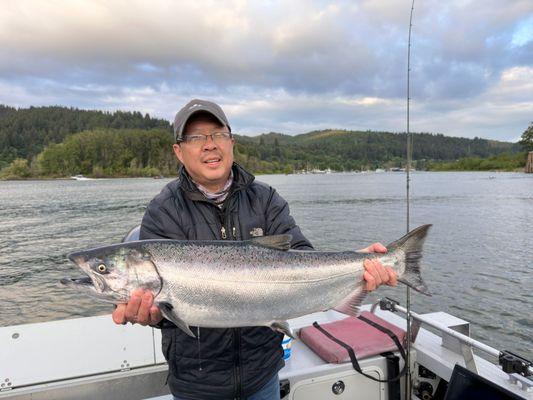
[279, 66]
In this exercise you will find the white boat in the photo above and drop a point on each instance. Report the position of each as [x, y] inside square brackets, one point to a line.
[81, 178]
[92, 358]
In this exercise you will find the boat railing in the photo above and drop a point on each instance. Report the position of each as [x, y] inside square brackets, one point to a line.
[517, 367]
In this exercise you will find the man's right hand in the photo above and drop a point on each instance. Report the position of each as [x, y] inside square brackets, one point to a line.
[139, 309]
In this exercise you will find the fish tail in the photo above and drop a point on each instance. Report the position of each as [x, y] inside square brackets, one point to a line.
[411, 245]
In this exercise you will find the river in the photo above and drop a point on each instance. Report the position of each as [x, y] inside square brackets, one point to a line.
[478, 257]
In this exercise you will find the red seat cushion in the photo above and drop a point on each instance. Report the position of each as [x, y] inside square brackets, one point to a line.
[363, 338]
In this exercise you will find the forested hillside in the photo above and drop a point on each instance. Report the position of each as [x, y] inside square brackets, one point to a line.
[24, 132]
[351, 150]
[58, 142]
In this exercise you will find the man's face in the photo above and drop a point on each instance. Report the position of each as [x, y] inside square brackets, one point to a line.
[207, 163]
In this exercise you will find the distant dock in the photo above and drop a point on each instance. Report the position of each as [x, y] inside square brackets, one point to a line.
[529, 163]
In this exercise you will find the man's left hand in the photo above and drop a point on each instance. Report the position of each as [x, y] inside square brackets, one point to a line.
[375, 273]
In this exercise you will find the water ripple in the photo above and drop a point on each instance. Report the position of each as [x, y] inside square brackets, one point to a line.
[477, 257]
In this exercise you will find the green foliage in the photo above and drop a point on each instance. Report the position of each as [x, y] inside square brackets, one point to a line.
[341, 150]
[110, 152]
[25, 132]
[59, 142]
[526, 140]
[18, 168]
[502, 162]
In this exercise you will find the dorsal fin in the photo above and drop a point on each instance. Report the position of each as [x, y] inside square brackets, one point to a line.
[278, 242]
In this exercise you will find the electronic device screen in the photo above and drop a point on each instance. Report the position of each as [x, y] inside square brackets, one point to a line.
[465, 384]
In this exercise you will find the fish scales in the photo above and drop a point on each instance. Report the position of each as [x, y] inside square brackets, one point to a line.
[249, 283]
[204, 294]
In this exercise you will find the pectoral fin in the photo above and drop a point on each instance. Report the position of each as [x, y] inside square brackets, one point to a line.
[169, 313]
[283, 327]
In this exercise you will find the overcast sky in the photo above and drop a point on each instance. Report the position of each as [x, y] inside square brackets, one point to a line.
[286, 66]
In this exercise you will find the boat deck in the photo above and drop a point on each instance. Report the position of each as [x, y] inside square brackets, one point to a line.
[90, 358]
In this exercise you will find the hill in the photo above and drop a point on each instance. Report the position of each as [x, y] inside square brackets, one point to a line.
[354, 150]
[60, 141]
[25, 132]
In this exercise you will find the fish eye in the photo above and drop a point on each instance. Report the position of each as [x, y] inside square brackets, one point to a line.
[101, 268]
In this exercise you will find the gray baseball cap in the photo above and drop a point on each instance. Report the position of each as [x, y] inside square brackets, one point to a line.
[193, 107]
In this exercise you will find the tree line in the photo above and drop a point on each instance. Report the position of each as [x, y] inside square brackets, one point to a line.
[44, 142]
[25, 132]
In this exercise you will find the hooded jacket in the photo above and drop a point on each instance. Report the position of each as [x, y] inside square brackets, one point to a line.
[223, 363]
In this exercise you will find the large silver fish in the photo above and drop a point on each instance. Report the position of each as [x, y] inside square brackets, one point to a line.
[258, 282]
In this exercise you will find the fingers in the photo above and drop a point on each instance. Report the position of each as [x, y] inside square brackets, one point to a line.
[379, 248]
[365, 250]
[143, 316]
[132, 307]
[374, 248]
[376, 274]
[370, 281]
[393, 278]
[139, 309]
[383, 273]
[371, 275]
[118, 315]
[155, 315]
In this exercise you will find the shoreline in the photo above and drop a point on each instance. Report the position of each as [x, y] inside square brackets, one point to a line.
[89, 178]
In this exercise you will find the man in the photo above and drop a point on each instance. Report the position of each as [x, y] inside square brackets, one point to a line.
[216, 199]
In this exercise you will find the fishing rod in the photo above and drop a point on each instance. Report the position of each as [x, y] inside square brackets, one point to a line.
[408, 378]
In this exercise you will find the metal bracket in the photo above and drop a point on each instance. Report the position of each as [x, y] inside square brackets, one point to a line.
[6, 385]
[388, 304]
[468, 355]
[415, 327]
[527, 384]
[513, 363]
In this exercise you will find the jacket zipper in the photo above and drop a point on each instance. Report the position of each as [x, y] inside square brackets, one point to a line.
[236, 331]
[237, 342]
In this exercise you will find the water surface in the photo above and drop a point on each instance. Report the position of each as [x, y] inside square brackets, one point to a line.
[478, 257]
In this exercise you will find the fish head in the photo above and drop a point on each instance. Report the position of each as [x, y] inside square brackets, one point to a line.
[114, 272]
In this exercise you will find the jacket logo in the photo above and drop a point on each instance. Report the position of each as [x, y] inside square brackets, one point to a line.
[256, 232]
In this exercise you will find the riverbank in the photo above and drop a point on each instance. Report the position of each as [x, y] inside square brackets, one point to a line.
[92, 178]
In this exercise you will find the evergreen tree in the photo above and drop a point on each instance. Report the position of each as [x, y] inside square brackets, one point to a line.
[527, 138]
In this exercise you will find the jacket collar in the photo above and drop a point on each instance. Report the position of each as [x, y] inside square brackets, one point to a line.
[241, 180]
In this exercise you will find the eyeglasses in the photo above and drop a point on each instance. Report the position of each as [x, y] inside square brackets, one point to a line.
[200, 140]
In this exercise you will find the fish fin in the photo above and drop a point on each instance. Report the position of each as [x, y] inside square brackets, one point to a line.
[411, 245]
[168, 312]
[350, 304]
[283, 327]
[278, 242]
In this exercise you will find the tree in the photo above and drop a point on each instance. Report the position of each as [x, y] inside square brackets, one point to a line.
[18, 168]
[527, 138]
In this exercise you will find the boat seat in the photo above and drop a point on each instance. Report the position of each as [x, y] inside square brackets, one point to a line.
[366, 340]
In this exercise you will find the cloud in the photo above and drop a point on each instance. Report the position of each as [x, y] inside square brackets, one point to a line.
[287, 65]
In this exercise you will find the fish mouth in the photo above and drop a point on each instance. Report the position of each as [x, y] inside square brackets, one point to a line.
[93, 284]
[91, 281]
[83, 281]
[95, 288]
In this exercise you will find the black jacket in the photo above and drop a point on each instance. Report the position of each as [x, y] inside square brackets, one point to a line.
[228, 363]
